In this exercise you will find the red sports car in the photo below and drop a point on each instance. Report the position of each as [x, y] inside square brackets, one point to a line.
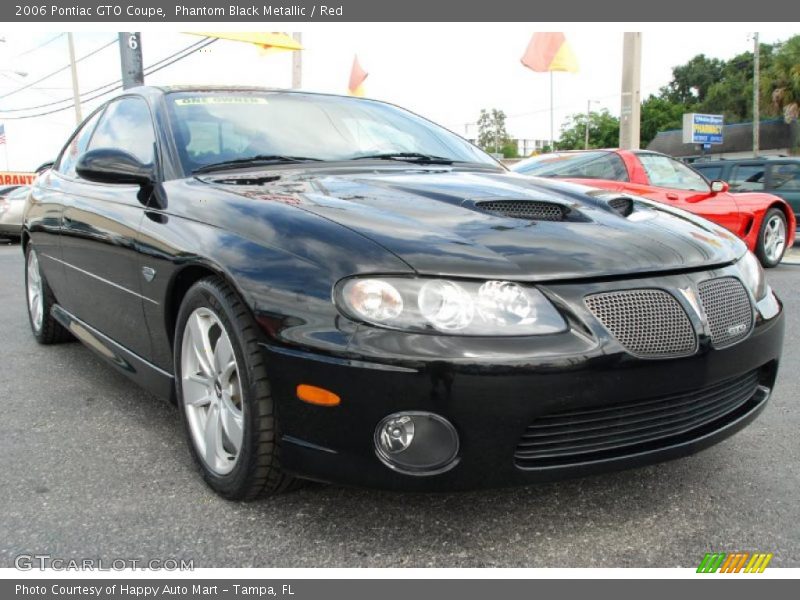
[765, 222]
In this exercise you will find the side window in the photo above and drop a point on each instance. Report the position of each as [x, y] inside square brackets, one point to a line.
[663, 171]
[747, 178]
[785, 177]
[710, 172]
[610, 166]
[76, 146]
[127, 125]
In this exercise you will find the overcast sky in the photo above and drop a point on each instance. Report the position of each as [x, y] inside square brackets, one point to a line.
[446, 72]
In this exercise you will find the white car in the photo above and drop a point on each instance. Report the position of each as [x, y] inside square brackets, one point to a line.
[12, 201]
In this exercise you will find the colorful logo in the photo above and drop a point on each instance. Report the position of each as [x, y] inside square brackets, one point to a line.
[736, 562]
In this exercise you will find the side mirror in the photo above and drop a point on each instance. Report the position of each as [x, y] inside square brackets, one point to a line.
[719, 187]
[111, 165]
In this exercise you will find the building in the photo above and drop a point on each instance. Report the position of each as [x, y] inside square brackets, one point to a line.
[777, 138]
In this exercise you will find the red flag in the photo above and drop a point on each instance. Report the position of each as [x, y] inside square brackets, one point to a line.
[357, 77]
[549, 51]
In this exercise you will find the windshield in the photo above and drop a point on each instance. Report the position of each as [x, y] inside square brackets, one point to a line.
[217, 127]
[663, 171]
[584, 165]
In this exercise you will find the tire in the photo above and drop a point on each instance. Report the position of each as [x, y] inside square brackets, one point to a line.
[224, 395]
[40, 300]
[772, 236]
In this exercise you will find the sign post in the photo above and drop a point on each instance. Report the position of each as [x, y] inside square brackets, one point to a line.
[130, 55]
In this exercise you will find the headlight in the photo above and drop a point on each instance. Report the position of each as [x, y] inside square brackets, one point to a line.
[456, 307]
[753, 275]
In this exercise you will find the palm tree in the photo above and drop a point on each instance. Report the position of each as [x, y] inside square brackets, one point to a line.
[783, 85]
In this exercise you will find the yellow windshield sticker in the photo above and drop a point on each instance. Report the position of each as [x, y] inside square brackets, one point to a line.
[220, 100]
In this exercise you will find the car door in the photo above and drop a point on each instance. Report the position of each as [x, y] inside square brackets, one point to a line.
[100, 226]
[783, 179]
[683, 187]
[45, 209]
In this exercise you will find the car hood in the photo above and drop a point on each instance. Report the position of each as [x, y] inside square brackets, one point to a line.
[438, 221]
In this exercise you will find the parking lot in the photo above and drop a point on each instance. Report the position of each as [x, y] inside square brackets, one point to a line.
[94, 467]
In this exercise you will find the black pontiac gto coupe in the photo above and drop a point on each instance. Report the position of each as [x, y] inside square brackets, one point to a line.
[336, 289]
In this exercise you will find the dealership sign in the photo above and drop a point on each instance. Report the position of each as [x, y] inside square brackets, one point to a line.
[16, 178]
[702, 129]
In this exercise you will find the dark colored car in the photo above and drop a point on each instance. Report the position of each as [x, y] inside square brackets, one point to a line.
[765, 222]
[779, 175]
[336, 289]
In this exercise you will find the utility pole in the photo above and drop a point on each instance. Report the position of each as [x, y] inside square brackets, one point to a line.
[76, 96]
[756, 95]
[297, 63]
[552, 135]
[130, 59]
[588, 118]
[630, 113]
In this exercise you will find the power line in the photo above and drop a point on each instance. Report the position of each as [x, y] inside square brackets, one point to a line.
[190, 47]
[101, 94]
[35, 48]
[56, 72]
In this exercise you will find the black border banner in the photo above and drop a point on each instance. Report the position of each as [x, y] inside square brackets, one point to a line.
[713, 12]
[703, 586]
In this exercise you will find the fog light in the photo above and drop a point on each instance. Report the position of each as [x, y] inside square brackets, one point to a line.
[417, 443]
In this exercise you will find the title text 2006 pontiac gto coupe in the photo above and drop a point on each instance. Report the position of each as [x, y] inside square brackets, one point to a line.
[336, 289]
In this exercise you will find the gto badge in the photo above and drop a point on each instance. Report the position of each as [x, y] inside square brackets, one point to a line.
[691, 298]
[735, 330]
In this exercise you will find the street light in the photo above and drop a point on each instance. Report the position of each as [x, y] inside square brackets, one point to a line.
[588, 115]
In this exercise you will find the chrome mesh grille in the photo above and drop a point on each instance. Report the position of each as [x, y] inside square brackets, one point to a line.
[647, 322]
[525, 209]
[727, 306]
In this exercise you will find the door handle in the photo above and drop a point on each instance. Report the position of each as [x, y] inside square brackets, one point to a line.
[671, 196]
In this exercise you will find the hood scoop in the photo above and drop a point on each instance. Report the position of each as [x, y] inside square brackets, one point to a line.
[530, 210]
[621, 205]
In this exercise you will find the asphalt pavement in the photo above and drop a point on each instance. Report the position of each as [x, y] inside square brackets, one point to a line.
[92, 467]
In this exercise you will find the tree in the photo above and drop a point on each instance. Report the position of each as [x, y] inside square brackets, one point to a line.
[492, 134]
[783, 80]
[659, 114]
[603, 131]
[692, 81]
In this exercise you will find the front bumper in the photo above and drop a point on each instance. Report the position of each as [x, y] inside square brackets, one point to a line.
[492, 392]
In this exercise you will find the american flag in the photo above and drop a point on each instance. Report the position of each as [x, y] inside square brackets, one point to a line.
[2, 134]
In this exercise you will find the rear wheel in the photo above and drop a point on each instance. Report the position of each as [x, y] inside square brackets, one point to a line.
[40, 299]
[224, 394]
[772, 238]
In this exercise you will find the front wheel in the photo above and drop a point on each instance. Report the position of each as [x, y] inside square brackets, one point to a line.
[772, 238]
[224, 394]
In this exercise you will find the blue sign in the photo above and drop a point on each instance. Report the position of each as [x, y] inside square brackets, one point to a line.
[702, 129]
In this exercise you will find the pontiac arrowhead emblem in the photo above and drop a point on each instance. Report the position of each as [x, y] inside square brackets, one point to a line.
[691, 298]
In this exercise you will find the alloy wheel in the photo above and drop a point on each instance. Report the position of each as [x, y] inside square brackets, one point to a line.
[35, 296]
[212, 391]
[774, 238]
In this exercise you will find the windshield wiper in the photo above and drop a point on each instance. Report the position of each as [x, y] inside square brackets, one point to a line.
[258, 159]
[415, 157]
